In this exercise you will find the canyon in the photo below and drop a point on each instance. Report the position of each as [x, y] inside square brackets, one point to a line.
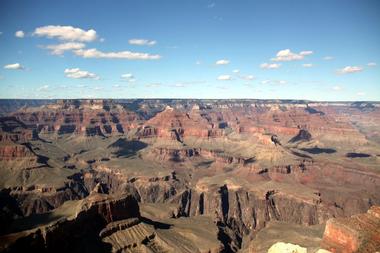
[171, 175]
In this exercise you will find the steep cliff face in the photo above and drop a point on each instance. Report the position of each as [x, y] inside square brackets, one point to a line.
[359, 233]
[183, 154]
[39, 200]
[239, 209]
[258, 119]
[244, 211]
[13, 130]
[104, 223]
[87, 117]
[15, 149]
[80, 226]
[176, 124]
[105, 118]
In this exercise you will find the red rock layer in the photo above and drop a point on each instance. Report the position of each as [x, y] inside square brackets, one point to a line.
[89, 117]
[11, 152]
[258, 119]
[360, 233]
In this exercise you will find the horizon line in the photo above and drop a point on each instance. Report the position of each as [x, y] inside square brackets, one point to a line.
[158, 98]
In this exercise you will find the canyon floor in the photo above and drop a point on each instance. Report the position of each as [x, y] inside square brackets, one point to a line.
[164, 175]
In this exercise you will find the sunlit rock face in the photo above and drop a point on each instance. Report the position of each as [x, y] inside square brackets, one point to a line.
[87, 117]
[359, 233]
[282, 247]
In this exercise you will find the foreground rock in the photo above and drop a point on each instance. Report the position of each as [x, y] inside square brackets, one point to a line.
[104, 223]
[308, 238]
[360, 233]
[76, 222]
[282, 247]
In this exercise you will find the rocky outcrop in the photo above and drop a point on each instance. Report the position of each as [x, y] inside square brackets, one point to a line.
[176, 124]
[181, 154]
[13, 130]
[15, 149]
[359, 233]
[39, 200]
[103, 223]
[241, 210]
[80, 226]
[245, 211]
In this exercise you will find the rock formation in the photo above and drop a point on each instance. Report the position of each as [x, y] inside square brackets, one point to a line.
[102, 223]
[359, 233]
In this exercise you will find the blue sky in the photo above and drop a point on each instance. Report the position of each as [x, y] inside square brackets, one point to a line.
[316, 50]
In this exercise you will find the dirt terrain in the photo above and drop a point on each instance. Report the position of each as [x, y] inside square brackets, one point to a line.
[189, 175]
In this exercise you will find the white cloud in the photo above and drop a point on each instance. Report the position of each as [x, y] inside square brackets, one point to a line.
[76, 73]
[17, 66]
[236, 71]
[349, 69]
[67, 33]
[128, 77]
[304, 53]
[222, 62]
[307, 65]
[281, 82]
[371, 64]
[224, 77]
[142, 42]
[337, 88]
[59, 49]
[94, 53]
[328, 58]
[152, 85]
[360, 93]
[186, 83]
[198, 62]
[248, 77]
[20, 34]
[270, 66]
[43, 88]
[211, 5]
[287, 55]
